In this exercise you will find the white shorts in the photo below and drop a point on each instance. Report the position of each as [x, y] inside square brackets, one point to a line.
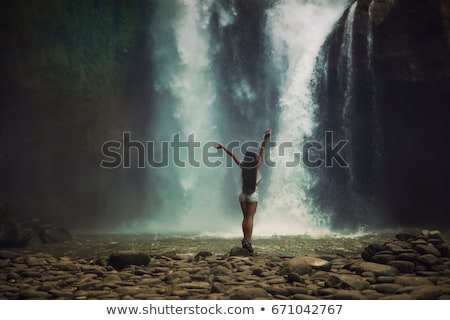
[249, 197]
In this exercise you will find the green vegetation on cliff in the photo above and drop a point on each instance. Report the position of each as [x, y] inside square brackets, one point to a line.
[73, 53]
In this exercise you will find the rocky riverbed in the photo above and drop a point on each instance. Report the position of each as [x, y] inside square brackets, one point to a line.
[390, 266]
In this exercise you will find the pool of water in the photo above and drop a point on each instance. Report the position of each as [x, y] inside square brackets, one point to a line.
[93, 246]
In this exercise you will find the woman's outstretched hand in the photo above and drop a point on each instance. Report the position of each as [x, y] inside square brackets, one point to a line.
[268, 133]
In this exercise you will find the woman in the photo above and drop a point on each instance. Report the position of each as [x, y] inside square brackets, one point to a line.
[250, 167]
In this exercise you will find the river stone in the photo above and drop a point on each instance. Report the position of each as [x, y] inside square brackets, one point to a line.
[34, 295]
[377, 269]
[412, 281]
[218, 287]
[419, 241]
[429, 260]
[54, 234]
[314, 262]
[406, 256]
[386, 279]
[383, 258]
[124, 258]
[243, 293]
[403, 244]
[403, 266]
[347, 281]
[174, 275]
[240, 252]
[435, 234]
[386, 287]
[348, 295]
[427, 249]
[371, 250]
[393, 248]
[426, 293]
[405, 236]
[297, 268]
[294, 277]
[170, 254]
[4, 254]
[220, 271]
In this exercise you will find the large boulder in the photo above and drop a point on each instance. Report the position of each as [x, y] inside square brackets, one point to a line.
[304, 265]
[11, 233]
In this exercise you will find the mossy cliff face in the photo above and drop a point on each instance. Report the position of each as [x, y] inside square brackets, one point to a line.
[398, 113]
[64, 69]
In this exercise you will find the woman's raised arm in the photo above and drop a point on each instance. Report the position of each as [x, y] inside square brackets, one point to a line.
[267, 134]
[230, 153]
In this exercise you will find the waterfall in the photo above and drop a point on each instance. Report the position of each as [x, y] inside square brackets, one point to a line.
[189, 196]
[296, 29]
[224, 71]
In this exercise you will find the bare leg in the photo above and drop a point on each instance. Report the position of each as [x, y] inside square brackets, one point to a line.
[248, 210]
[244, 214]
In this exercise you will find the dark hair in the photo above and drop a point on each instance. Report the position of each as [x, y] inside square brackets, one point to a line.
[249, 171]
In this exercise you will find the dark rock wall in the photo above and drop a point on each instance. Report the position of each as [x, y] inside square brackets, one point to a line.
[398, 150]
[65, 89]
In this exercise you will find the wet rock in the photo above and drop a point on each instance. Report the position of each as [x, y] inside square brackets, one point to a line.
[172, 276]
[240, 252]
[296, 267]
[427, 249]
[218, 287]
[294, 277]
[34, 295]
[220, 271]
[11, 234]
[122, 259]
[202, 254]
[407, 256]
[435, 234]
[243, 293]
[377, 269]
[403, 266]
[426, 293]
[299, 263]
[52, 233]
[394, 248]
[348, 295]
[429, 260]
[383, 258]
[347, 281]
[412, 281]
[386, 279]
[386, 287]
[405, 236]
[7, 254]
[173, 255]
[370, 251]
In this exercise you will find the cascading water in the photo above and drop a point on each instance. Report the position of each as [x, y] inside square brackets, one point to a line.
[184, 82]
[211, 83]
[296, 30]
